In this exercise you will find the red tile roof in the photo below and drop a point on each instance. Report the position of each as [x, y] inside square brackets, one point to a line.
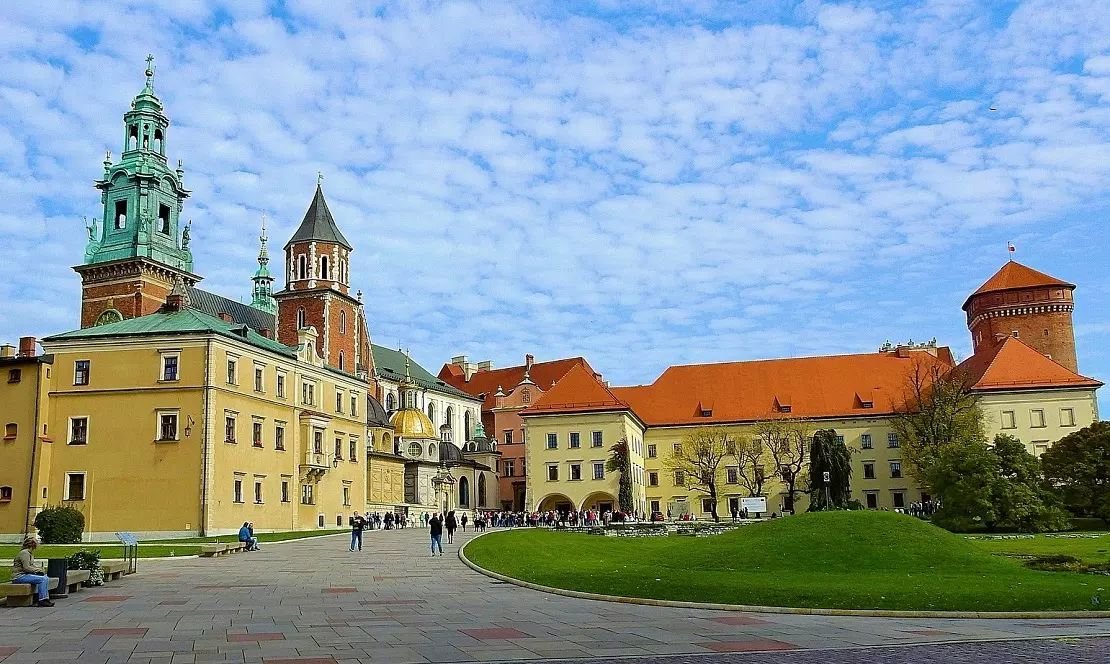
[543, 374]
[1014, 275]
[1014, 365]
[579, 391]
[813, 387]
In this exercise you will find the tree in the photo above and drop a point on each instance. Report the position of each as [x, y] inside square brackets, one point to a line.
[751, 458]
[1077, 468]
[699, 459]
[620, 462]
[786, 439]
[1021, 501]
[938, 408]
[828, 455]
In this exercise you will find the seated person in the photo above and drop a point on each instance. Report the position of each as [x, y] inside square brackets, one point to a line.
[246, 537]
[26, 570]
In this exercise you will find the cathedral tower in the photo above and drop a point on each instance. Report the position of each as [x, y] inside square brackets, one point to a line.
[317, 292]
[262, 295]
[1021, 302]
[138, 249]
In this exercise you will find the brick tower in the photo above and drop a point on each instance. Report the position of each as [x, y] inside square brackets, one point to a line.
[1021, 302]
[317, 292]
[135, 253]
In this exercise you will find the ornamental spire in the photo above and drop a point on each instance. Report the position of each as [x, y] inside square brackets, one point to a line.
[262, 293]
[150, 71]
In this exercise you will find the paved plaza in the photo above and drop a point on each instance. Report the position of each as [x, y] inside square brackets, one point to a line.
[315, 602]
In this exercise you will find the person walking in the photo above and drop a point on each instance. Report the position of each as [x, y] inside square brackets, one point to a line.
[451, 525]
[436, 526]
[462, 522]
[357, 524]
[26, 570]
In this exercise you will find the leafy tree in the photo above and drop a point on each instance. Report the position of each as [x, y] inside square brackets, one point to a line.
[1077, 468]
[938, 408]
[786, 439]
[699, 459]
[829, 455]
[620, 462]
[1021, 501]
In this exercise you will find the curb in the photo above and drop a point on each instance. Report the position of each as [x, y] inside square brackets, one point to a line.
[868, 613]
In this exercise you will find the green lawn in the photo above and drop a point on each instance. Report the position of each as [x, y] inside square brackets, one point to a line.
[1089, 550]
[852, 560]
[108, 551]
[262, 537]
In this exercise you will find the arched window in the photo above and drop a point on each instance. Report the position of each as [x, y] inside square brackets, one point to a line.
[146, 137]
[464, 492]
[133, 137]
[300, 317]
[432, 451]
[342, 366]
[158, 146]
[449, 417]
[342, 322]
[324, 267]
[466, 425]
[432, 412]
[302, 267]
[390, 404]
[385, 442]
[121, 214]
[482, 490]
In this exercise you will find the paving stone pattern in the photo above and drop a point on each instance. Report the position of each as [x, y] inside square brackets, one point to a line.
[392, 602]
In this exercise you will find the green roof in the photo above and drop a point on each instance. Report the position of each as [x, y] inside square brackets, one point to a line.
[186, 321]
[390, 365]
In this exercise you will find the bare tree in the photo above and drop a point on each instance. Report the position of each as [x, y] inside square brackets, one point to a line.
[787, 440]
[938, 408]
[699, 459]
[751, 459]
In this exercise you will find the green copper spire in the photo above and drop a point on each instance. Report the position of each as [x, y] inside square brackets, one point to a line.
[142, 196]
[262, 294]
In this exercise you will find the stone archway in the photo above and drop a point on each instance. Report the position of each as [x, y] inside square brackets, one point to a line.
[556, 502]
[602, 501]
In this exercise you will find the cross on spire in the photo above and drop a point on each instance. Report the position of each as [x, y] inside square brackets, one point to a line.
[149, 70]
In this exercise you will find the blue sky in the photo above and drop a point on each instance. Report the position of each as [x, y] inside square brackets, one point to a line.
[642, 183]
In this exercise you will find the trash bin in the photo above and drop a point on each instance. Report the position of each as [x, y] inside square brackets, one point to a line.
[57, 568]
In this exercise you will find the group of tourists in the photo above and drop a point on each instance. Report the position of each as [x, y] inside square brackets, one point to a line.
[922, 510]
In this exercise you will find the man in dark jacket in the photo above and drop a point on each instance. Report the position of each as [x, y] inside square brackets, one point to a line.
[357, 525]
[436, 526]
[451, 525]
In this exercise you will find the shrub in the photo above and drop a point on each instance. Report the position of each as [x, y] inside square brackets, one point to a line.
[60, 525]
[90, 560]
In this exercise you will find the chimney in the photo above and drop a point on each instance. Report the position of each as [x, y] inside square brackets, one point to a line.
[7, 350]
[485, 365]
[174, 302]
[266, 332]
[226, 317]
[528, 361]
[458, 360]
[27, 347]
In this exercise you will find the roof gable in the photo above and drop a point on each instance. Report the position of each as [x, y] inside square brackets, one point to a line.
[579, 391]
[543, 374]
[1014, 275]
[1012, 364]
[318, 224]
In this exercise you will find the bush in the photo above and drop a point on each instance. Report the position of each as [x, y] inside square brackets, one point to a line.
[60, 525]
[90, 560]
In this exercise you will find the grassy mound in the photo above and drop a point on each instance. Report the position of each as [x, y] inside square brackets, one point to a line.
[850, 560]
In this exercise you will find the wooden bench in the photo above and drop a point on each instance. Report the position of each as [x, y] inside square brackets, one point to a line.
[21, 594]
[113, 569]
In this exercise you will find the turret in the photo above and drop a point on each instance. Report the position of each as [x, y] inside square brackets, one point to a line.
[262, 294]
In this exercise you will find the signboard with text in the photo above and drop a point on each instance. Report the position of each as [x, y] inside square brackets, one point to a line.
[754, 505]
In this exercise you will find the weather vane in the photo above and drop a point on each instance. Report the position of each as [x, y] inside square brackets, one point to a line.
[319, 177]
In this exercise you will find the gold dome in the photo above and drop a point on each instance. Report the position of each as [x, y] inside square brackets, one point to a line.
[411, 423]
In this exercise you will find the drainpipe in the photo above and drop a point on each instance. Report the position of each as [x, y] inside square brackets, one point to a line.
[34, 452]
[206, 441]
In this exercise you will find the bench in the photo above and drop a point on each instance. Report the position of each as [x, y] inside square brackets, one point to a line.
[215, 550]
[21, 594]
[75, 578]
[113, 569]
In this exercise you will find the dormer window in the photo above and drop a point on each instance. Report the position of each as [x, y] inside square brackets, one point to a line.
[705, 412]
[783, 408]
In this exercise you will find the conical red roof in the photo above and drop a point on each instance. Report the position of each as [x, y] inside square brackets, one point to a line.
[1014, 275]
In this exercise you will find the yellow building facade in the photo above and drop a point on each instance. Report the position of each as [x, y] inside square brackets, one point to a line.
[25, 446]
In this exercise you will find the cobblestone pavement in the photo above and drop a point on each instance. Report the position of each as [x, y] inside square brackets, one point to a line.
[315, 602]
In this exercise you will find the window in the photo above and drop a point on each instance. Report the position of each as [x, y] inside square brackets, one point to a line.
[317, 441]
[872, 500]
[81, 372]
[347, 496]
[526, 396]
[1039, 447]
[75, 486]
[259, 377]
[653, 479]
[869, 471]
[256, 433]
[732, 475]
[339, 402]
[552, 473]
[899, 499]
[865, 441]
[324, 272]
[342, 363]
[390, 402]
[78, 430]
[679, 478]
[599, 470]
[163, 219]
[354, 405]
[257, 492]
[508, 436]
[167, 426]
[231, 371]
[308, 393]
[300, 318]
[342, 322]
[707, 505]
[1036, 418]
[306, 495]
[892, 439]
[508, 467]
[677, 448]
[5, 494]
[840, 439]
[285, 491]
[281, 385]
[10, 430]
[415, 449]
[1067, 417]
[279, 437]
[895, 468]
[339, 448]
[597, 439]
[121, 206]
[15, 375]
[169, 367]
[302, 273]
[575, 471]
[552, 441]
[651, 451]
[655, 506]
[1008, 420]
[575, 440]
[229, 428]
[353, 448]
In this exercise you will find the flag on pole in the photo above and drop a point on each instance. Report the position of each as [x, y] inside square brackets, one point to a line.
[1010, 246]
